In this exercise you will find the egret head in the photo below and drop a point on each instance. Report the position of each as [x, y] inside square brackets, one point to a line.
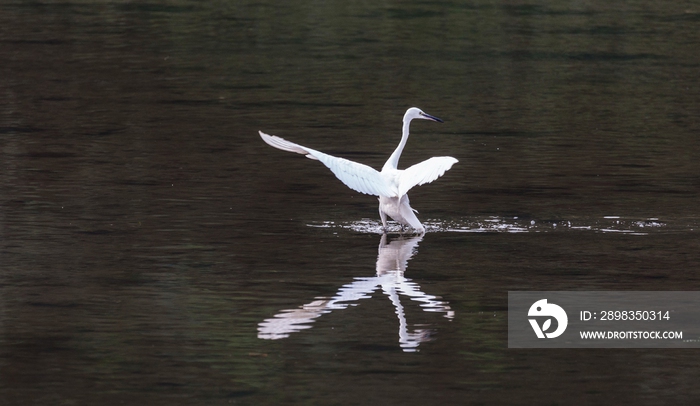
[415, 112]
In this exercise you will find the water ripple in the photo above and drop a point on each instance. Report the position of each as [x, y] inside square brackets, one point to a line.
[496, 224]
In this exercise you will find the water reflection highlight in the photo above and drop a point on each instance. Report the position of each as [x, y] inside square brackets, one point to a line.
[608, 224]
[392, 261]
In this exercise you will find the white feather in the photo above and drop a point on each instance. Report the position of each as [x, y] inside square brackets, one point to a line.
[356, 176]
[424, 172]
[391, 184]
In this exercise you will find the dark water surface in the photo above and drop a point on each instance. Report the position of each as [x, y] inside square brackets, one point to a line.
[153, 250]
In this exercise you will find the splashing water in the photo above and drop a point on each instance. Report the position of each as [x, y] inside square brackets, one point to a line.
[495, 224]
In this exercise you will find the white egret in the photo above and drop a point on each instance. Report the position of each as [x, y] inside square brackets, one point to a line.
[391, 184]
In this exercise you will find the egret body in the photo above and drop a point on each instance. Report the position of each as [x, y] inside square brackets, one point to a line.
[391, 184]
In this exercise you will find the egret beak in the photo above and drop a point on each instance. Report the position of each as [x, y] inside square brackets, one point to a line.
[429, 117]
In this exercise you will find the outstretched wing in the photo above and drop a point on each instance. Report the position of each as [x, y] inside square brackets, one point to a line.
[356, 176]
[424, 172]
[284, 145]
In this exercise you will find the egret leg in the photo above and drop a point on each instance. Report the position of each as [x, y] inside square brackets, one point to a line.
[410, 217]
[382, 215]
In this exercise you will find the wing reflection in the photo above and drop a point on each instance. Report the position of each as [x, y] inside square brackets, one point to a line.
[391, 265]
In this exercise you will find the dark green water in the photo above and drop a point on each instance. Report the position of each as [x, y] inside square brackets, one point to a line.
[147, 233]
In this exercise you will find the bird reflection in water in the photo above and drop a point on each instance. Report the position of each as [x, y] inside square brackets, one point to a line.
[391, 265]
